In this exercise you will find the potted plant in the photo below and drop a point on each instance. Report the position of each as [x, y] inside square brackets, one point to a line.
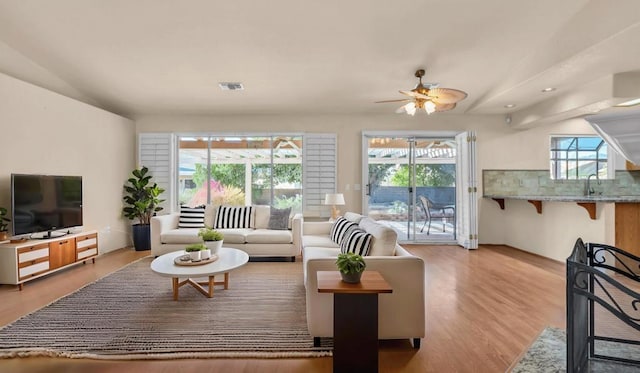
[4, 225]
[142, 201]
[212, 239]
[194, 251]
[351, 266]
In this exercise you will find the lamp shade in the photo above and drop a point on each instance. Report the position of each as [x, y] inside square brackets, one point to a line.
[334, 199]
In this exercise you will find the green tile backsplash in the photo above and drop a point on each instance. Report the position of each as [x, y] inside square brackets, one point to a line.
[538, 183]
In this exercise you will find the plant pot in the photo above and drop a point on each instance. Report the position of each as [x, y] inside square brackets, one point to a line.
[141, 236]
[351, 278]
[4, 236]
[205, 254]
[214, 246]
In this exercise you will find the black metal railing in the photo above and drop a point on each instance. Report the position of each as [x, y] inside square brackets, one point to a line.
[589, 287]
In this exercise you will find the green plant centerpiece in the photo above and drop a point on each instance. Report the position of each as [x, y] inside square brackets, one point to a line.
[195, 247]
[212, 239]
[4, 224]
[195, 250]
[142, 201]
[351, 266]
[210, 234]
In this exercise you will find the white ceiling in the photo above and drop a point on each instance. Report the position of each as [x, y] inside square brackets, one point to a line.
[138, 57]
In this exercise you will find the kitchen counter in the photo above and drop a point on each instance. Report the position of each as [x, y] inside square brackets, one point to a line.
[592, 198]
[587, 202]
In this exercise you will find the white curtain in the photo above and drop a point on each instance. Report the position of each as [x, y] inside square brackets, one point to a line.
[466, 191]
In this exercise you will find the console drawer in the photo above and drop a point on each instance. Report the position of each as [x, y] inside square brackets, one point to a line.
[86, 241]
[33, 269]
[30, 253]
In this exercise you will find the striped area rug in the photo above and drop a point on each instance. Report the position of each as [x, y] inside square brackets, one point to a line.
[131, 314]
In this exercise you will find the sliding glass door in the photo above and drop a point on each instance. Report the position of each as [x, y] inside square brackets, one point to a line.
[411, 186]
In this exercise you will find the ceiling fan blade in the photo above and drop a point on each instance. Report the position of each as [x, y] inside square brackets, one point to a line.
[446, 95]
[444, 107]
[410, 93]
[400, 100]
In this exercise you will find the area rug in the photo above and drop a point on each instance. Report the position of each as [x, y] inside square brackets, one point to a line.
[548, 353]
[131, 314]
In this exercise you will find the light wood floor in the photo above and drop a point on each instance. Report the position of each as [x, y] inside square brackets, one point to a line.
[484, 308]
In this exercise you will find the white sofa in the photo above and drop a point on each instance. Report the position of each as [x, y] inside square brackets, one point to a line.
[401, 314]
[257, 241]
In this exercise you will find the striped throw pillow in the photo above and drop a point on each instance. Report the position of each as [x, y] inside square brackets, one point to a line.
[233, 217]
[358, 242]
[191, 217]
[340, 228]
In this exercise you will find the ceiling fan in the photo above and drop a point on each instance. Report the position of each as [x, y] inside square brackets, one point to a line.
[430, 98]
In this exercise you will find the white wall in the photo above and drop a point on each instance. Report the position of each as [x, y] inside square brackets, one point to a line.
[551, 234]
[46, 133]
[348, 127]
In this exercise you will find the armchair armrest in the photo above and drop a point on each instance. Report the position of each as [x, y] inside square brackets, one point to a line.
[296, 231]
[161, 224]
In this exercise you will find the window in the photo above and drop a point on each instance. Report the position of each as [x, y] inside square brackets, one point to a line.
[574, 157]
[240, 170]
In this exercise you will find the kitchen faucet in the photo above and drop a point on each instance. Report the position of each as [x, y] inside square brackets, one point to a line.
[590, 190]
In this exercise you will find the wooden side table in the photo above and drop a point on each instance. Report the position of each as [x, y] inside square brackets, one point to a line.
[355, 319]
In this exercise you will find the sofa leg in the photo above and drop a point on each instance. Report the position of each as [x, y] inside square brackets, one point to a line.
[316, 341]
[416, 343]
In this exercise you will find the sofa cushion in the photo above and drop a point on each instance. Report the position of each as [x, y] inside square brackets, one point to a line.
[358, 242]
[318, 241]
[352, 216]
[279, 218]
[181, 236]
[233, 217]
[384, 238]
[210, 212]
[269, 236]
[191, 217]
[238, 235]
[262, 214]
[339, 229]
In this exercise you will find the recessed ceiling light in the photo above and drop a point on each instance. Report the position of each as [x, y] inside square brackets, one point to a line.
[509, 106]
[633, 102]
[548, 89]
[231, 86]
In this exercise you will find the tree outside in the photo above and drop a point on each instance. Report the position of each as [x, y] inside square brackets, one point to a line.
[440, 175]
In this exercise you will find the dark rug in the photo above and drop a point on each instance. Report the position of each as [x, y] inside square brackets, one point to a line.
[131, 314]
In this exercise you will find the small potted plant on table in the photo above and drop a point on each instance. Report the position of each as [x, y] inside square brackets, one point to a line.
[212, 239]
[4, 224]
[194, 251]
[351, 266]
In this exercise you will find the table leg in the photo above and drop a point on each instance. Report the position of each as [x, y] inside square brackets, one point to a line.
[176, 286]
[355, 333]
[212, 282]
[226, 281]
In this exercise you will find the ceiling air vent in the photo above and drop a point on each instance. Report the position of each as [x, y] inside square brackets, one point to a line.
[231, 86]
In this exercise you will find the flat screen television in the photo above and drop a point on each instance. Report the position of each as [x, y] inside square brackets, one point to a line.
[44, 206]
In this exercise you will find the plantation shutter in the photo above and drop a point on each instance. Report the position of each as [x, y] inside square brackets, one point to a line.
[319, 172]
[156, 152]
[467, 191]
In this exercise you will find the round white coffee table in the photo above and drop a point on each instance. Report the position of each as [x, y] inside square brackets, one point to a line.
[228, 260]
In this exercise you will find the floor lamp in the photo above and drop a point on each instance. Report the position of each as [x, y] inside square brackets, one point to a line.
[334, 199]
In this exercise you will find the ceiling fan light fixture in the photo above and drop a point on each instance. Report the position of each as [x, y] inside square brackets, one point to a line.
[429, 97]
[429, 107]
[410, 108]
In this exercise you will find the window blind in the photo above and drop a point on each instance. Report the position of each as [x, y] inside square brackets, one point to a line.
[156, 152]
[319, 172]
